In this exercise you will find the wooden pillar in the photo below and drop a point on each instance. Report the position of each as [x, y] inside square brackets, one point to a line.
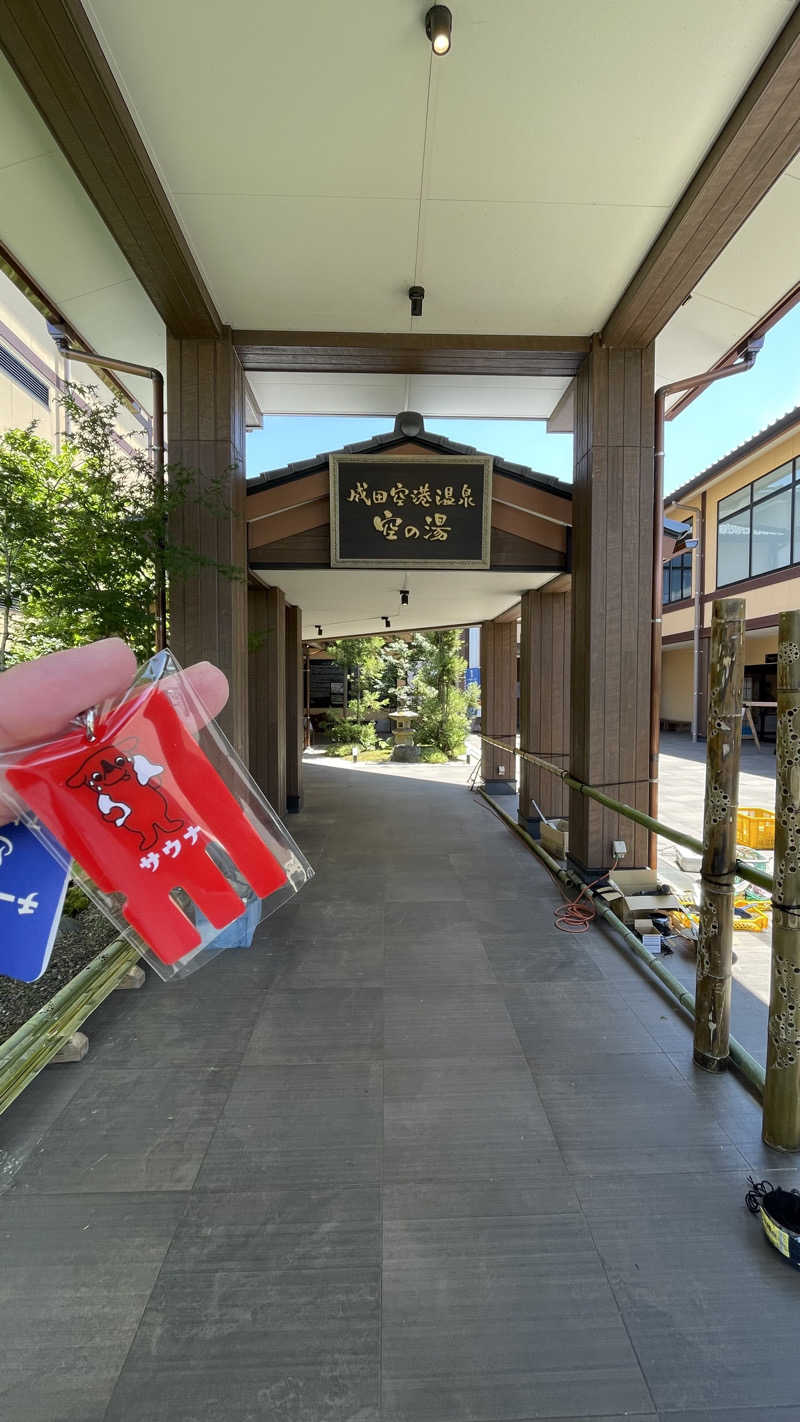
[499, 704]
[612, 551]
[267, 693]
[208, 611]
[294, 708]
[544, 666]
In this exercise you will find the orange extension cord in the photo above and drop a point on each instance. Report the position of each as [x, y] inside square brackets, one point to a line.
[575, 915]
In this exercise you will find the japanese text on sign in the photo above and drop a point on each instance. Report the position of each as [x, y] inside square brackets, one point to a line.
[425, 511]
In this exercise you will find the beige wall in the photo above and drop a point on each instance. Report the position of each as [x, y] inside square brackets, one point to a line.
[761, 601]
[18, 409]
[676, 684]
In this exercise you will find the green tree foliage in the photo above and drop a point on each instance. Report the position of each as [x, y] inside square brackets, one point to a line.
[79, 534]
[360, 657]
[438, 694]
[394, 684]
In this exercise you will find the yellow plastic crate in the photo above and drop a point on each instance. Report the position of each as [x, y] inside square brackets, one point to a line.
[756, 922]
[756, 828]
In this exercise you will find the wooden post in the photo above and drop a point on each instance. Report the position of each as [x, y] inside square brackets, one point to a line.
[781, 1126]
[267, 685]
[612, 577]
[724, 739]
[208, 611]
[544, 664]
[294, 709]
[499, 704]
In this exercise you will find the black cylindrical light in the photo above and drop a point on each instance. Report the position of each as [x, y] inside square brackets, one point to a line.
[404, 596]
[416, 295]
[439, 28]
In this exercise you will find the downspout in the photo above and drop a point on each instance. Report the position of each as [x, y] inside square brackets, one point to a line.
[690, 382]
[698, 591]
[147, 372]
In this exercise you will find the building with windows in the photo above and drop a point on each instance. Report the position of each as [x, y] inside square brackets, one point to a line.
[745, 517]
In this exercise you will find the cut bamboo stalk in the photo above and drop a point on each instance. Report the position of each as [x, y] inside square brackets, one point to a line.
[781, 1124]
[743, 869]
[712, 1025]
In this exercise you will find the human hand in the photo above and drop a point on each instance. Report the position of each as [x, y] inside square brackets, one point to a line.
[39, 699]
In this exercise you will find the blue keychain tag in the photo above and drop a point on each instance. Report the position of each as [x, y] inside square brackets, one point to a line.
[33, 883]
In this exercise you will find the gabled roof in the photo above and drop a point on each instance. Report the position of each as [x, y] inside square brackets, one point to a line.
[784, 424]
[409, 426]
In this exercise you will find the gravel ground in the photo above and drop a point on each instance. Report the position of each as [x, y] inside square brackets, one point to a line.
[78, 941]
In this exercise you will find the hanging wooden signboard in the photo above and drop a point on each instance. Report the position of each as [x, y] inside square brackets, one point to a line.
[410, 512]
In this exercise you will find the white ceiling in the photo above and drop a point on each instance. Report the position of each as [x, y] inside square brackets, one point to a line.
[349, 601]
[291, 141]
[50, 225]
[755, 270]
[517, 397]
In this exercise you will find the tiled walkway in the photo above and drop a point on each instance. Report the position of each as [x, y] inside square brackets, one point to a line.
[419, 1158]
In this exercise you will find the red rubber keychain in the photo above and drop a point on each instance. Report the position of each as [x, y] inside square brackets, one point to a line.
[134, 799]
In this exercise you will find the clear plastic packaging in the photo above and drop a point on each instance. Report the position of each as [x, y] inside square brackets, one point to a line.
[170, 837]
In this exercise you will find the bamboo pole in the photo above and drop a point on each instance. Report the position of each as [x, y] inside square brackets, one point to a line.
[746, 1065]
[723, 744]
[39, 1039]
[743, 869]
[781, 1125]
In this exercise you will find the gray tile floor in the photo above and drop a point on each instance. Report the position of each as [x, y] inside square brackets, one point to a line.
[418, 1157]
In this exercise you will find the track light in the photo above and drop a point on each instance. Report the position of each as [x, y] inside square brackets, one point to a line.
[404, 596]
[439, 28]
[416, 295]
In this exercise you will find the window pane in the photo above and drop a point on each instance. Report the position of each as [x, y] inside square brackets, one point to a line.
[733, 549]
[665, 589]
[768, 483]
[687, 582]
[739, 500]
[771, 533]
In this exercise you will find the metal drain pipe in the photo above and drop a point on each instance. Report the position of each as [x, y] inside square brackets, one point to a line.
[747, 1066]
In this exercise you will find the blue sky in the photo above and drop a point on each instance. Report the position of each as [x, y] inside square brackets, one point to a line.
[719, 419]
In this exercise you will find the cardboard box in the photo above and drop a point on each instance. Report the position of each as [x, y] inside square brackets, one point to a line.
[636, 896]
[554, 837]
[632, 880]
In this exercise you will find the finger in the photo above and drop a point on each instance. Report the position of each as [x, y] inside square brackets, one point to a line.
[207, 685]
[39, 699]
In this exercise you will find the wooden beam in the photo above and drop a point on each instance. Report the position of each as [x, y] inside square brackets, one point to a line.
[760, 139]
[528, 526]
[289, 522]
[404, 353]
[57, 56]
[517, 494]
[263, 503]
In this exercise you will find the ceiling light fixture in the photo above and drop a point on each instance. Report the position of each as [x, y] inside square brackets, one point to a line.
[439, 28]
